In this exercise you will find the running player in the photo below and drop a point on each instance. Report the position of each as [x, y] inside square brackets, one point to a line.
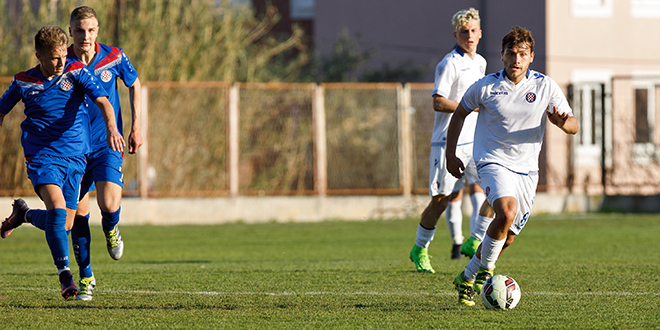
[55, 140]
[513, 104]
[459, 69]
[104, 166]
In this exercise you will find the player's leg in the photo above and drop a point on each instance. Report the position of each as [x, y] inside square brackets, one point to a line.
[477, 198]
[454, 217]
[425, 232]
[80, 239]
[58, 216]
[441, 184]
[109, 181]
[481, 223]
[109, 200]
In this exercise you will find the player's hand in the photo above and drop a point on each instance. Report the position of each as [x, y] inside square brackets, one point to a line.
[115, 141]
[557, 118]
[134, 141]
[455, 166]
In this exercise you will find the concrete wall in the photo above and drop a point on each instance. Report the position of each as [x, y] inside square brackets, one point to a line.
[175, 211]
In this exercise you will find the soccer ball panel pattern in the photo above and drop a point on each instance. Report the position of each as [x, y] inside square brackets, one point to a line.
[500, 292]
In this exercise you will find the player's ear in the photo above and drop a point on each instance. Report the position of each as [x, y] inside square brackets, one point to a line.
[38, 56]
[531, 58]
[70, 34]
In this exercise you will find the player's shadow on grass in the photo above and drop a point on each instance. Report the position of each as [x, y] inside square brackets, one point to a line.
[163, 262]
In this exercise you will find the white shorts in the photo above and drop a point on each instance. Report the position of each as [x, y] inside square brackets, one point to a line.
[498, 181]
[441, 182]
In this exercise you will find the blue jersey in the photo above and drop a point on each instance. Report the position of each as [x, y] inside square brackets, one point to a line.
[57, 122]
[109, 63]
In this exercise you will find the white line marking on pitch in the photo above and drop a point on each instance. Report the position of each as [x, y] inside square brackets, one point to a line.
[373, 293]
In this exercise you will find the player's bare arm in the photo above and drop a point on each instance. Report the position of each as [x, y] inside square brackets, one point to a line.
[454, 165]
[135, 137]
[115, 140]
[566, 123]
[443, 104]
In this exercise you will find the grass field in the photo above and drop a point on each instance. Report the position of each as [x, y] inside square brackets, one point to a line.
[591, 271]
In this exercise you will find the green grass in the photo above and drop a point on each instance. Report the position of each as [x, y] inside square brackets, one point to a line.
[594, 271]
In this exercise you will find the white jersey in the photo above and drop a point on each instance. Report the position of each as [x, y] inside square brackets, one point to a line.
[512, 118]
[453, 75]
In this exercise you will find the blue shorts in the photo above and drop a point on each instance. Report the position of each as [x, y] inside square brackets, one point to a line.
[65, 172]
[102, 165]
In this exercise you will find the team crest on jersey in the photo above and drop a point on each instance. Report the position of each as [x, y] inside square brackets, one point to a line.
[66, 84]
[487, 191]
[530, 97]
[106, 76]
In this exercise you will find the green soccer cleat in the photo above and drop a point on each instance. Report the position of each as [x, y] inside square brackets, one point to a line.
[470, 246]
[465, 291]
[87, 285]
[422, 259]
[482, 276]
[114, 244]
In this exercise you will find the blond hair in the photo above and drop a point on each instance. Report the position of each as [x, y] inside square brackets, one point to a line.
[463, 17]
[81, 13]
[50, 37]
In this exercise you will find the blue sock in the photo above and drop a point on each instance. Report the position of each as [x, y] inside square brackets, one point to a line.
[110, 220]
[80, 237]
[58, 242]
[38, 218]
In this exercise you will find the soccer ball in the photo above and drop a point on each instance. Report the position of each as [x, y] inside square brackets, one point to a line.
[500, 292]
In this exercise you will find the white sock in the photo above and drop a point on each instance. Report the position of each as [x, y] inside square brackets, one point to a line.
[472, 268]
[424, 236]
[455, 221]
[490, 251]
[60, 270]
[477, 200]
[480, 227]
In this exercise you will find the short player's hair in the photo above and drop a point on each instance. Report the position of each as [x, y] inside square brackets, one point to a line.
[50, 37]
[463, 17]
[518, 36]
[81, 13]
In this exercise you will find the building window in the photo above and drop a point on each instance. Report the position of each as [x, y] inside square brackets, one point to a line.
[644, 149]
[645, 8]
[591, 8]
[302, 9]
[642, 124]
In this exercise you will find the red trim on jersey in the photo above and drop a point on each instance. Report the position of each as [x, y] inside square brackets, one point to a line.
[116, 52]
[27, 78]
[74, 66]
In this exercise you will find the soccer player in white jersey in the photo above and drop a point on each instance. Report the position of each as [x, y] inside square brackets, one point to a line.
[513, 105]
[459, 69]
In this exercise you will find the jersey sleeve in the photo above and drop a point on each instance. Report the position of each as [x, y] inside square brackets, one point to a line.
[471, 98]
[91, 85]
[11, 96]
[558, 99]
[126, 71]
[445, 76]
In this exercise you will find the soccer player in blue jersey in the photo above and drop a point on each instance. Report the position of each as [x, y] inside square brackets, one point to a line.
[513, 106]
[55, 141]
[104, 166]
